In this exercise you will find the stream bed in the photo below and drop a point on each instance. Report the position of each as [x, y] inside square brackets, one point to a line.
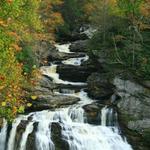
[64, 128]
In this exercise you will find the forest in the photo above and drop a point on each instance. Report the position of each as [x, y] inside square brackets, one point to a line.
[120, 44]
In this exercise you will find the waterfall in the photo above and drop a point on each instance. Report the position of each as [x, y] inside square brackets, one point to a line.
[63, 48]
[11, 140]
[104, 113]
[75, 61]
[51, 72]
[3, 133]
[74, 129]
[43, 136]
[28, 130]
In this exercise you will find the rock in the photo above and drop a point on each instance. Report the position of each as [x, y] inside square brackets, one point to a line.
[57, 137]
[63, 88]
[42, 49]
[51, 101]
[55, 55]
[79, 46]
[135, 100]
[75, 73]
[134, 112]
[93, 113]
[139, 125]
[74, 36]
[100, 86]
[1, 123]
[78, 36]
[20, 130]
[46, 82]
[31, 143]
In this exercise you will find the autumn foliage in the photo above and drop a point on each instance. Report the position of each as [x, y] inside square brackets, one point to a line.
[20, 22]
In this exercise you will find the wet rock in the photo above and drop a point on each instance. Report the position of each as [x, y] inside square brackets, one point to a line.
[78, 36]
[135, 100]
[134, 112]
[1, 123]
[75, 73]
[68, 88]
[93, 113]
[100, 86]
[139, 125]
[46, 82]
[57, 137]
[55, 55]
[20, 130]
[31, 143]
[79, 46]
[51, 101]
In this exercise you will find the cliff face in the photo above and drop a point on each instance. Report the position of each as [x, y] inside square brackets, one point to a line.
[134, 112]
[132, 102]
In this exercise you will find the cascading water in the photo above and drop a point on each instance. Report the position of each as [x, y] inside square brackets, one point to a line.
[3, 134]
[28, 130]
[74, 130]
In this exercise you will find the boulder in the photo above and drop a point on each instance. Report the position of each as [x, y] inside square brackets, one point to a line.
[93, 113]
[79, 46]
[42, 50]
[55, 55]
[57, 137]
[43, 102]
[100, 86]
[31, 143]
[19, 132]
[134, 112]
[75, 73]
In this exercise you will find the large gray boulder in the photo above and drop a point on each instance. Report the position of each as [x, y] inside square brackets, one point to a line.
[43, 102]
[134, 112]
[100, 86]
[75, 73]
[79, 46]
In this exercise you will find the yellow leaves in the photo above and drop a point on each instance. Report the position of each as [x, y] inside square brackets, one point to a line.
[21, 109]
[29, 104]
[2, 23]
[33, 97]
[3, 104]
[2, 87]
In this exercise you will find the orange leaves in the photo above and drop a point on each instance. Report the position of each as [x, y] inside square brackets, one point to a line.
[9, 1]
[2, 78]
[145, 8]
[16, 47]
[51, 18]
[14, 35]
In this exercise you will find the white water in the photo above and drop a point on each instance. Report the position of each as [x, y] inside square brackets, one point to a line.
[11, 140]
[89, 32]
[79, 134]
[3, 134]
[104, 113]
[63, 48]
[51, 72]
[75, 61]
[28, 130]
